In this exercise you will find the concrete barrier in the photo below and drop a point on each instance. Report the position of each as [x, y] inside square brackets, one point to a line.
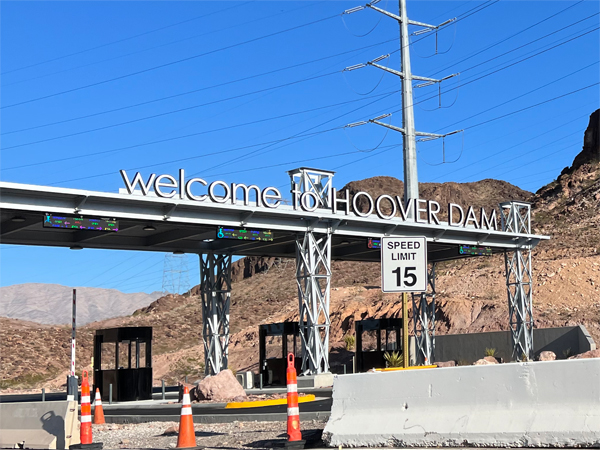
[554, 403]
[563, 341]
[39, 425]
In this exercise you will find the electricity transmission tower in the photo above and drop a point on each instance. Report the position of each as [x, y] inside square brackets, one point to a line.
[423, 302]
[176, 275]
[411, 183]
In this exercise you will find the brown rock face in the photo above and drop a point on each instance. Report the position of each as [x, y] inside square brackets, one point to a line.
[590, 354]
[547, 356]
[485, 361]
[221, 387]
[446, 364]
[249, 266]
[591, 143]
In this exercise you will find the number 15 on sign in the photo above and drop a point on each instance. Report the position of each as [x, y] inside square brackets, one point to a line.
[403, 264]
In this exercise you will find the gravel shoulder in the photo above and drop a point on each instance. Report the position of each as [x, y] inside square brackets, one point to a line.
[236, 435]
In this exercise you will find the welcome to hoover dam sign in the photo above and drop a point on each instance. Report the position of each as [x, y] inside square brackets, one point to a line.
[385, 206]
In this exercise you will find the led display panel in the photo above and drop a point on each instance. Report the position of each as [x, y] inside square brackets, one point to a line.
[473, 250]
[80, 223]
[244, 234]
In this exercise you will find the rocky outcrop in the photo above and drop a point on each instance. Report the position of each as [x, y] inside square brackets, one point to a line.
[591, 143]
[486, 361]
[590, 354]
[547, 356]
[250, 266]
[221, 388]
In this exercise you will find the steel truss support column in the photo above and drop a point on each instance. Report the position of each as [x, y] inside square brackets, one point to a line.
[424, 321]
[215, 289]
[313, 275]
[516, 218]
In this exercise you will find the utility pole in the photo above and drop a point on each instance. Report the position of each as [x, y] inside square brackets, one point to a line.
[411, 179]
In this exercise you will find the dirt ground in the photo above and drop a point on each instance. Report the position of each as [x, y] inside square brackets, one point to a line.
[236, 435]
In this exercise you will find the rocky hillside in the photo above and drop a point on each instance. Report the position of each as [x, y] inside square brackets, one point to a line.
[471, 293]
[569, 207]
[51, 303]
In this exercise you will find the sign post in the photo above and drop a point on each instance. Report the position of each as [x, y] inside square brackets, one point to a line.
[404, 269]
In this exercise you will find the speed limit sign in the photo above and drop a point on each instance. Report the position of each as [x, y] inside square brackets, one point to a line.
[403, 264]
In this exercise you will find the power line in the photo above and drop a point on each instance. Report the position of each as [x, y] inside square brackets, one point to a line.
[188, 108]
[123, 39]
[505, 67]
[533, 106]
[519, 96]
[160, 66]
[194, 91]
[211, 131]
[303, 134]
[279, 141]
[497, 118]
[507, 38]
[495, 154]
[159, 46]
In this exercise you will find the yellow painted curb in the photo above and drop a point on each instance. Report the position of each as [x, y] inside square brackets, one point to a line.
[392, 369]
[259, 403]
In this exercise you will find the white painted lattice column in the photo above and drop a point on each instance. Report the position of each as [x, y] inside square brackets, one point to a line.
[516, 218]
[313, 275]
[424, 321]
[215, 290]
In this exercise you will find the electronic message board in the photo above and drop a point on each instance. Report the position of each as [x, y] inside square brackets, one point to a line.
[244, 234]
[80, 223]
[374, 243]
[474, 250]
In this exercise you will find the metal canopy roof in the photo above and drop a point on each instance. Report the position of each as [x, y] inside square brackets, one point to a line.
[191, 227]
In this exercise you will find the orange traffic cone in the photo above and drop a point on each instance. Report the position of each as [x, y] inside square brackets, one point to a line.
[86, 417]
[293, 412]
[98, 411]
[187, 435]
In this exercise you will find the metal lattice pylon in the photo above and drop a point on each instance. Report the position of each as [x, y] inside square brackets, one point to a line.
[315, 181]
[313, 275]
[176, 279]
[516, 218]
[424, 320]
[215, 289]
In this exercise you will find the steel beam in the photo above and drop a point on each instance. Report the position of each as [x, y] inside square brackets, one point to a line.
[313, 275]
[215, 290]
[424, 321]
[516, 218]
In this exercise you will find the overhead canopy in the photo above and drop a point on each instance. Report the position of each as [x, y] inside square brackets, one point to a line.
[152, 223]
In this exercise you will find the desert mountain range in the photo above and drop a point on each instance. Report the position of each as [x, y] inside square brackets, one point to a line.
[51, 303]
[471, 294]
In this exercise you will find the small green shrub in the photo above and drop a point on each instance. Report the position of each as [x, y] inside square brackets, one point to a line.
[567, 353]
[394, 359]
[490, 352]
[350, 341]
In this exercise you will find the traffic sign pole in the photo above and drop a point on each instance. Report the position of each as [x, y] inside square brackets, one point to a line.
[405, 349]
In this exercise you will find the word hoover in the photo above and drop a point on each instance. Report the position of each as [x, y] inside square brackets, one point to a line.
[385, 206]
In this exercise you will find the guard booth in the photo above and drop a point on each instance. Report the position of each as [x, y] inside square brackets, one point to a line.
[123, 358]
[273, 369]
[374, 337]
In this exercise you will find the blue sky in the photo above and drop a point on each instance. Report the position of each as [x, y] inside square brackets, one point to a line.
[528, 82]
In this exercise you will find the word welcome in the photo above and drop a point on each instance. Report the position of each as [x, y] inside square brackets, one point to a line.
[361, 204]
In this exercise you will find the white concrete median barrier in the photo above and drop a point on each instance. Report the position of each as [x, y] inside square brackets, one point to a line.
[39, 425]
[554, 403]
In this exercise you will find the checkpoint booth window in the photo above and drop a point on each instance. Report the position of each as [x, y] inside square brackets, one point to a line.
[123, 358]
[273, 361]
[374, 337]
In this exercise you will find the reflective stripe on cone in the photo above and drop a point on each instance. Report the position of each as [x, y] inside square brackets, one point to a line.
[187, 435]
[293, 412]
